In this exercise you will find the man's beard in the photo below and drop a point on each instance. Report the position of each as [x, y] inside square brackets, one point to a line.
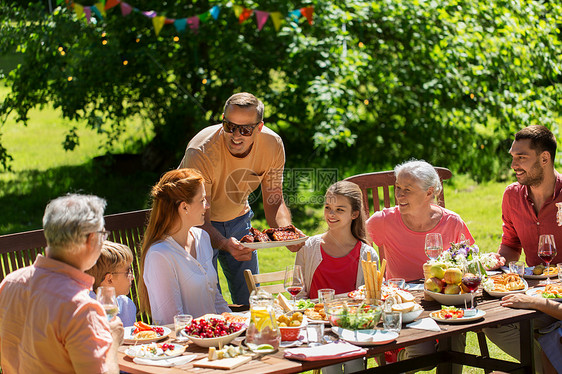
[533, 177]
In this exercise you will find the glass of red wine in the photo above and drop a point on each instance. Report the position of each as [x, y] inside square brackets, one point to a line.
[547, 252]
[294, 281]
[471, 282]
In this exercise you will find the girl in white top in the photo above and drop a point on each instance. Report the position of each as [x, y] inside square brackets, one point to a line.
[177, 274]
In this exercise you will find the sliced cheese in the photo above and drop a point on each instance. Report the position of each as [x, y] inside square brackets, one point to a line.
[284, 303]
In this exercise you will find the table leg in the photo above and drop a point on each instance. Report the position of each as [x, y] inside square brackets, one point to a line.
[444, 367]
[527, 345]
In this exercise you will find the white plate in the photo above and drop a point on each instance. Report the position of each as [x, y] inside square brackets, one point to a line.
[537, 292]
[502, 294]
[139, 351]
[129, 339]
[479, 314]
[273, 244]
[444, 299]
[528, 274]
[365, 337]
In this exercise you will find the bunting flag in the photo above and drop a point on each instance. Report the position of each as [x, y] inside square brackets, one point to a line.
[307, 12]
[276, 18]
[111, 3]
[261, 18]
[246, 13]
[158, 22]
[125, 9]
[241, 13]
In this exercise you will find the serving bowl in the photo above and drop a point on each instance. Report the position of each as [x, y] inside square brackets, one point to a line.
[352, 315]
[411, 315]
[213, 342]
[289, 334]
[448, 299]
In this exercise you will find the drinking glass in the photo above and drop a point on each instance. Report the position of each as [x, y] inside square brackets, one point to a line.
[517, 267]
[181, 321]
[326, 295]
[105, 295]
[294, 281]
[392, 321]
[433, 245]
[559, 266]
[398, 283]
[547, 251]
[471, 282]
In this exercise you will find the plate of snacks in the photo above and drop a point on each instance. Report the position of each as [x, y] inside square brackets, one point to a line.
[402, 301]
[143, 333]
[505, 284]
[212, 331]
[450, 314]
[273, 237]
[155, 351]
[317, 314]
[550, 291]
[537, 272]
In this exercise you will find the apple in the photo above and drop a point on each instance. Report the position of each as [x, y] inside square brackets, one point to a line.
[452, 289]
[452, 276]
[437, 271]
[434, 284]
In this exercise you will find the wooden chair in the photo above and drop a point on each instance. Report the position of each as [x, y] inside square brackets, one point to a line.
[255, 281]
[385, 180]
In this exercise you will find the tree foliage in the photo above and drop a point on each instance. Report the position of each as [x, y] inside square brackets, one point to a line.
[369, 83]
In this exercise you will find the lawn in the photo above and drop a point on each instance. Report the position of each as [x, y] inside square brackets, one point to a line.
[42, 170]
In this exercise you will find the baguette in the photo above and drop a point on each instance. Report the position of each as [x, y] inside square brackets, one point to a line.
[405, 296]
[403, 307]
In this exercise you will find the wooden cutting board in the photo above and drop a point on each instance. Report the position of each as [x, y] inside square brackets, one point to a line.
[225, 363]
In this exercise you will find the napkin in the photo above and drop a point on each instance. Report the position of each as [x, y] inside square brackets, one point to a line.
[425, 324]
[324, 352]
[167, 362]
[414, 286]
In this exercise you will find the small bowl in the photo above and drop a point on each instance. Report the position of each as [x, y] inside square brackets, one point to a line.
[412, 315]
[213, 342]
[289, 334]
[446, 299]
[352, 315]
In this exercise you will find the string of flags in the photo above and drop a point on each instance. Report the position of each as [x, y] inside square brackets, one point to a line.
[242, 14]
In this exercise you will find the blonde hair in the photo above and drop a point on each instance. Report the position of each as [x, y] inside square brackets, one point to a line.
[353, 193]
[174, 187]
[113, 256]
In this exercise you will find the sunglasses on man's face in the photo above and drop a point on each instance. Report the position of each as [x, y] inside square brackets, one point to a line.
[244, 130]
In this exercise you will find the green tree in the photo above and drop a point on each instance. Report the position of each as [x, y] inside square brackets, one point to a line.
[369, 83]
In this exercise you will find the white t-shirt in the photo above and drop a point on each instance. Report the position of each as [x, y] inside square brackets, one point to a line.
[177, 283]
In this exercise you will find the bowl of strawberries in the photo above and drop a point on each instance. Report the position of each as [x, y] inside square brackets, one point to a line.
[212, 331]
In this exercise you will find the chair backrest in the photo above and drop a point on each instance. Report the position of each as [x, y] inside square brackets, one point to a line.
[255, 281]
[20, 249]
[385, 180]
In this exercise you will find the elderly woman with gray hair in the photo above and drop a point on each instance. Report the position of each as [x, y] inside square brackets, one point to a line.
[400, 231]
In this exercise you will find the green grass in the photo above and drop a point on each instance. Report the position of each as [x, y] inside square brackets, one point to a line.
[42, 170]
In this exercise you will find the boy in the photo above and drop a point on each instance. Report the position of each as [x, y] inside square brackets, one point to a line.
[113, 268]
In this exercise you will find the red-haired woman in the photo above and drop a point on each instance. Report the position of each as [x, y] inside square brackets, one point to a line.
[177, 274]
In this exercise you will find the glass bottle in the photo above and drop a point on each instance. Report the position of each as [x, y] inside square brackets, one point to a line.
[263, 327]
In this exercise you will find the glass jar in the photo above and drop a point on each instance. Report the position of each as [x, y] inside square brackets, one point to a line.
[263, 327]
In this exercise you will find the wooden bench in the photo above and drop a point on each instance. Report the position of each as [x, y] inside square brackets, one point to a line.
[20, 249]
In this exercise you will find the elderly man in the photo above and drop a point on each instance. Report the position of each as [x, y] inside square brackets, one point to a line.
[48, 321]
[235, 158]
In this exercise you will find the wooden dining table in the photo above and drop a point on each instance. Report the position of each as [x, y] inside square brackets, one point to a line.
[444, 358]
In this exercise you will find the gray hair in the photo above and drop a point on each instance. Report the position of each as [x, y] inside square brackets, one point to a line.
[69, 219]
[422, 171]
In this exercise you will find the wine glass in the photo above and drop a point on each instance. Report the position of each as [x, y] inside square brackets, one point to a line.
[294, 281]
[471, 282]
[106, 297]
[433, 245]
[547, 251]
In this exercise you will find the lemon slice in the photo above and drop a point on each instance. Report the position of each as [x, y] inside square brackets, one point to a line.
[264, 347]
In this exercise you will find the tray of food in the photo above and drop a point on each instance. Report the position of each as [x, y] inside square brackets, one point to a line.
[505, 284]
[537, 272]
[144, 333]
[155, 351]
[273, 237]
[450, 314]
[550, 291]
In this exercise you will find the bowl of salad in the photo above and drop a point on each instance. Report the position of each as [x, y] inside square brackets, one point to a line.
[352, 315]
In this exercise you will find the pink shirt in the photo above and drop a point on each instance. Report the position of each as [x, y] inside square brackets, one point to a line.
[522, 226]
[405, 249]
[338, 273]
[49, 323]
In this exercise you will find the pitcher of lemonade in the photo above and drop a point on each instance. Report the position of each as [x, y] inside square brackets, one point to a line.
[263, 327]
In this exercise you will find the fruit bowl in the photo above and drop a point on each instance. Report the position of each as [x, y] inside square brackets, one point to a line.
[352, 315]
[212, 331]
[213, 342]
[449, 299]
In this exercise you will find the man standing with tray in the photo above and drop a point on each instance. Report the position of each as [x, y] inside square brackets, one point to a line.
[235, 158]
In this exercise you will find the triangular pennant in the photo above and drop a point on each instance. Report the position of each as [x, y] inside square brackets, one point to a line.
[111, 3]
[276, 18]
[79, 9]
[169, 21]
[261, 18]
[100, 7]
[193, 23]
[180, 24]
[295, 15]
[125, 9]
[214, 11]
[149, 13]
[204, 17]
[246, 13]
[88, 13]
[237, 10]
[158, 23]
[307, 12]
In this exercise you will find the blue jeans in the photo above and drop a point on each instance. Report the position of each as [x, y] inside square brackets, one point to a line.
[234, 270]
